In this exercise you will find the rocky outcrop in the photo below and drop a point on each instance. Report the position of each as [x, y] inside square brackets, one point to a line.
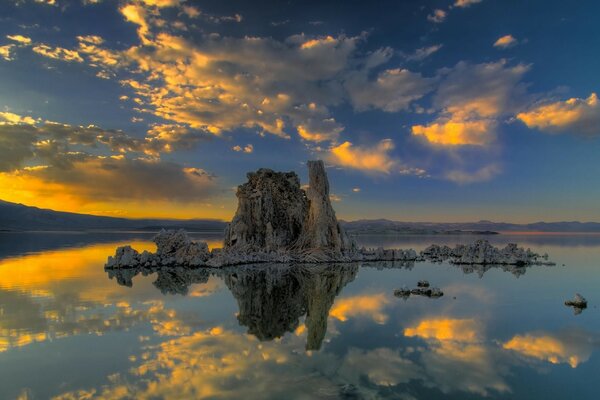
[481, 252]
[172, 248]
[279, 222]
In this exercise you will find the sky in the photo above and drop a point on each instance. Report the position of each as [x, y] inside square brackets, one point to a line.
[449, 110]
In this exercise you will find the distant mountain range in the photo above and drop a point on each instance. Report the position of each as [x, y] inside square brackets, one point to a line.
[383, 226]
[18, 217]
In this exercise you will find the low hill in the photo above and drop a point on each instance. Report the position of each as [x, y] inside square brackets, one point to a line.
[18, 217]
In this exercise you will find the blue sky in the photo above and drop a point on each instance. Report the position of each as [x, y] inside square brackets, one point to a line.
[423, 110]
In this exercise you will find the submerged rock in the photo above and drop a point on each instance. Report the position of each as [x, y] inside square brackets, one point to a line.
[427, 291]
[403, 292]
[579, 303]
[422, 289]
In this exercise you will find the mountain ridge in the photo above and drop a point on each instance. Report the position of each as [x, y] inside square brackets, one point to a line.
[20, 217]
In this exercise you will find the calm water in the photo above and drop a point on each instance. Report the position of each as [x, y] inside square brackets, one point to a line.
[68, 330]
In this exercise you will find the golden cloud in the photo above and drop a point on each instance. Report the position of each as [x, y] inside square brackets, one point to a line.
[580, 116]
[369, 159]
[19, 39]
[57, 53]
[457, 357]
[6, 52]
[471, 98]
[505, 41]
[456, 133]
[370, 305]
[572, 348]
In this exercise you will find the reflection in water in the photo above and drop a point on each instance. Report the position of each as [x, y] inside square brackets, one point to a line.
[244, 332]
[271, 298]
[571, 347]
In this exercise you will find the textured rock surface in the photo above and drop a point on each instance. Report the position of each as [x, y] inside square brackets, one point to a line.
[483, 253]
[321, 228]
[271, 212]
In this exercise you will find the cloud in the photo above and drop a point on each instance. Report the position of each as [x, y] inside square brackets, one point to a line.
[162, 3]
[218, 84]
[6, 52]
[191, 12]
[570, 347]
[19, 39]
[449, 132]
[471, 98]
[437, 16]
[368, 305]
[15, 147]
[319, 130]
[465, 3]
[579, 116]
[119, 178]
[61, 158]
[365, 158]
[382, 366]
[505, 42]
[392, 90]
[8, 118]
[356, 189]
[456, 357]
[463, 330]
[423, 52]
[482, 174]
[57, 53]
[246, 149]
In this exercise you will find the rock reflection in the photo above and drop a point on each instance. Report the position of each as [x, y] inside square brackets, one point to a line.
[271, 298]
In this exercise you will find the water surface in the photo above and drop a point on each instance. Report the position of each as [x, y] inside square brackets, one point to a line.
[70, 330]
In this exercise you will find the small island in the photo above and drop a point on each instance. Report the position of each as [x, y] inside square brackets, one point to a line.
[277, 221]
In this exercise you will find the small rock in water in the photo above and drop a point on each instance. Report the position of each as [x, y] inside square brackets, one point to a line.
[428, 292]
[423, 284]
[403, 292]
[579, 303]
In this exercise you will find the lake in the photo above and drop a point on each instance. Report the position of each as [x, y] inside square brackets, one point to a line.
[70, 330]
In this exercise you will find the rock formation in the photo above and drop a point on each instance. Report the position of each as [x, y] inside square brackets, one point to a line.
[271, 214]
[275, 215]
[279, 222]
[481, 252]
